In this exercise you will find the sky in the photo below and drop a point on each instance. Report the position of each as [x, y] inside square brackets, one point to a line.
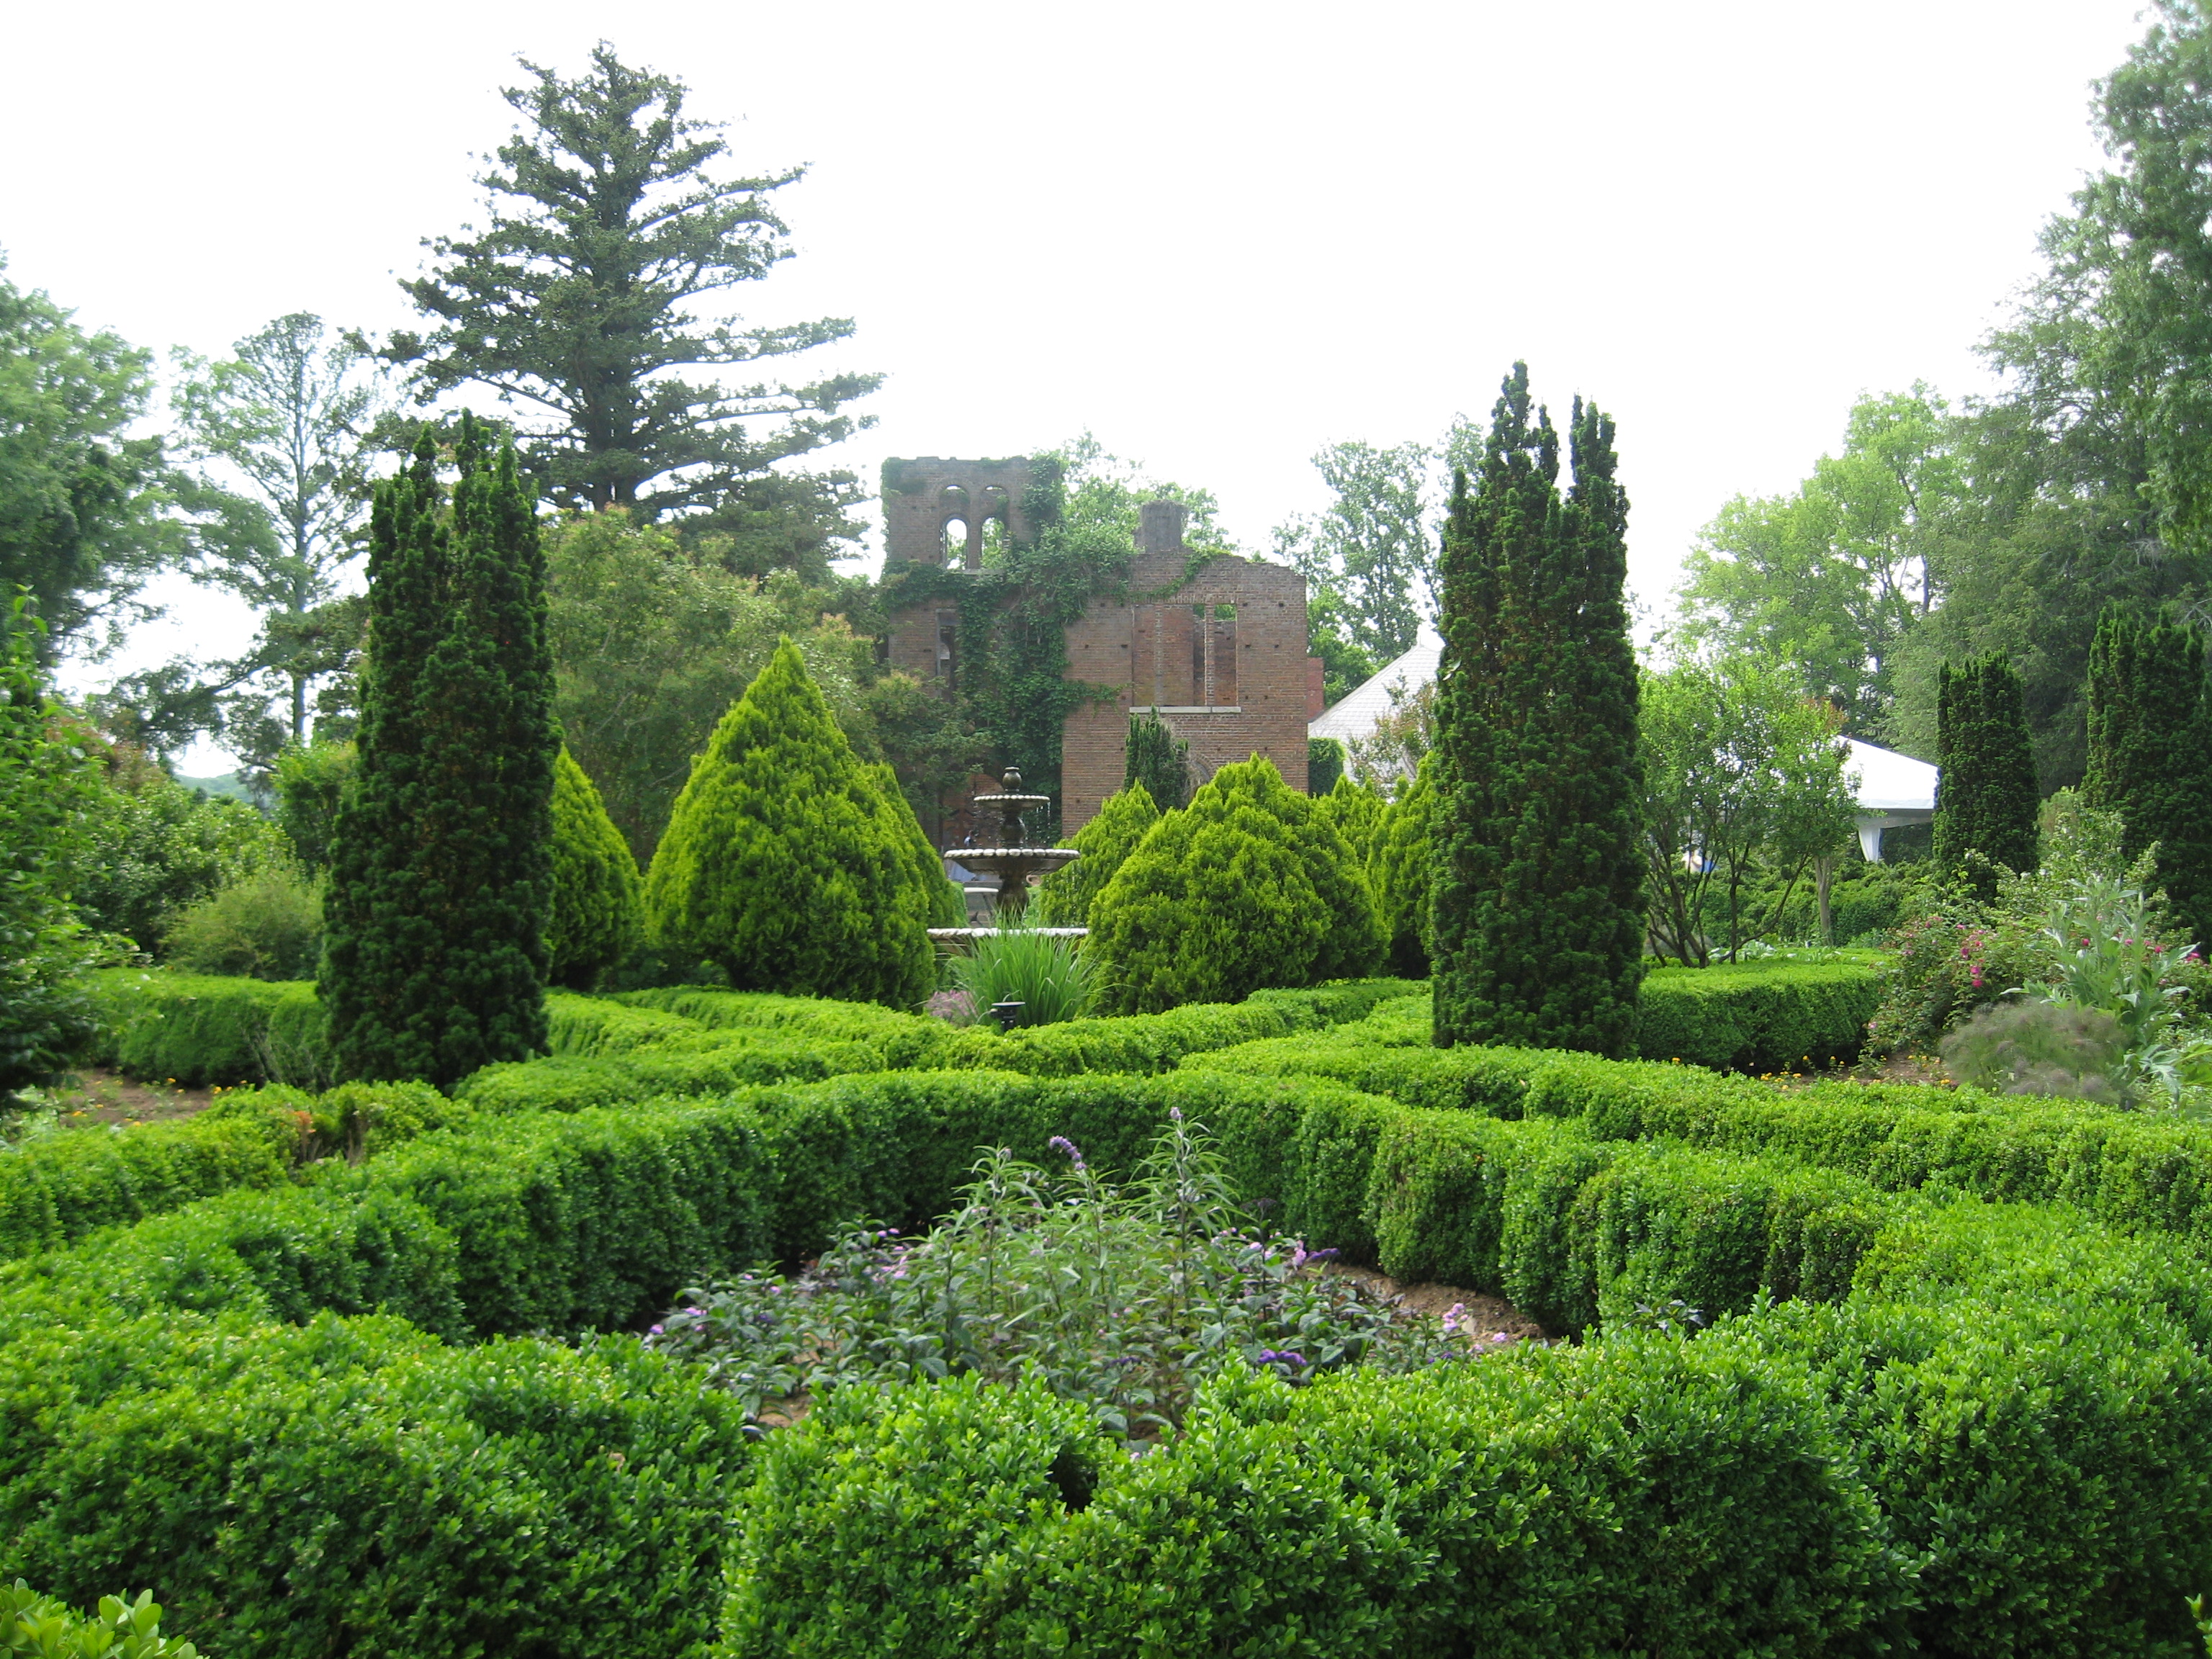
[1219, 236]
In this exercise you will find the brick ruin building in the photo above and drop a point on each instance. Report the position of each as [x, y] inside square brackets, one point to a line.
[1220, 656]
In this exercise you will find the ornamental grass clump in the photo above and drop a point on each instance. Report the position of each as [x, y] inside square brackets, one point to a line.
[1122, 1298]
[1049, 976]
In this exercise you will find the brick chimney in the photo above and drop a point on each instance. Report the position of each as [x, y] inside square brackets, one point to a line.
[1159, 527]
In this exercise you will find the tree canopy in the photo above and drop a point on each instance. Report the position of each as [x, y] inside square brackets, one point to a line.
[585, 302]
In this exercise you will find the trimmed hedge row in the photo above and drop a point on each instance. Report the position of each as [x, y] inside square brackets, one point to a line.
[62, 1187]
[2131, 1170]
[1758, 1017]
[1990, 1447]
[197, 1028]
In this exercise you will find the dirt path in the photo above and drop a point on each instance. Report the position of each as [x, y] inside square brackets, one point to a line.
[104, 1097]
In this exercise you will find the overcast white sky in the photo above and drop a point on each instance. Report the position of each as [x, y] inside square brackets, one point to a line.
[1219, 235]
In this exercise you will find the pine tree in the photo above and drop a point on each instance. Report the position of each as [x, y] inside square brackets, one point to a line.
[1245, 888]
[1986, 797]
[1402, 868]
[440, 891]
[789, 862]
[1065, 896]
[1159, 763]
[1538, 918]
[599, 904]
[2150, 752]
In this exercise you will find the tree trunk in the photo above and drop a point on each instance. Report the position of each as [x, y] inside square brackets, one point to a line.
[1824, 877]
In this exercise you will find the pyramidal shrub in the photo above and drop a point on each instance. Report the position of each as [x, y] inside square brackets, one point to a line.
[1065, 896]
[788, 863]
[598, 903]
[1402, 868]
[1247, 887]
[1354, 811]
[948, 905]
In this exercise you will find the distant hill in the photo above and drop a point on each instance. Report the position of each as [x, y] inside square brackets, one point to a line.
[228, 784]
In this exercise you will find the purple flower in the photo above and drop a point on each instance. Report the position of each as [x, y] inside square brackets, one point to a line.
[1066, 1148]
[656, 1330]
[1176, 1112]
[1452, 1316]
[1286, 1357]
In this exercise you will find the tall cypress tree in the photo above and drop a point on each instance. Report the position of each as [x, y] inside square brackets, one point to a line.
[2150, 751]
[1538, 914]
[1986, 799]
[435, 956]
[1158, 763]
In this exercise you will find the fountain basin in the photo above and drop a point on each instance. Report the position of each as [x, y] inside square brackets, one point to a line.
[1027, 861]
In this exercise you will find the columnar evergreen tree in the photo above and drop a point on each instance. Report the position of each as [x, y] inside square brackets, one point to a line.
[1246, 888]
[1065, 896]
[599, 904]
[442, 881]
[1159, 763]
[1986, 798]
[2150, 752]
[1538, 914]
[791, 863]
[1402, 868]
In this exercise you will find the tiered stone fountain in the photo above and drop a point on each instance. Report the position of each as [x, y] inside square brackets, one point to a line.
[1015, 865]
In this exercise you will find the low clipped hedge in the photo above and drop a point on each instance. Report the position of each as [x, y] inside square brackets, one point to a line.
[2131, 1169]
[1759, 1017]
[1948, 1425]
[197, 1028]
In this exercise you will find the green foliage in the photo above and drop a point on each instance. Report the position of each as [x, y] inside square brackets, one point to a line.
[35, 1627]
[787, 863]
[1157, 763]
[654, 639]
[1369, 559]
[1051, 977]
[1757, 1017]
[312, 783]
[658, 233]
[1986, 800]
[266, 924]
[435, 957]
[1402, 866]
[153, 848]
[81, 526]
[2150, 752]
[2039, 1049]
[1243, 888]
[1538, 900]
[1125, 1299]
[1354, 809]
[1324, 764]
[1738, 767]
[947, 901]
[196, 1028]
[45, 786]
[598, 905]
[1064, 898]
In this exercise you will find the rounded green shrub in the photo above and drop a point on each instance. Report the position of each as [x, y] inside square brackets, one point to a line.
[1065, 896]
[598, 905]
[1401, 867]
[1245, 888]
[267, 924]
[786, 863]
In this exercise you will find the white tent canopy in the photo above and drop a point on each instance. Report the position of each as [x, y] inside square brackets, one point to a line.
[1891, 790]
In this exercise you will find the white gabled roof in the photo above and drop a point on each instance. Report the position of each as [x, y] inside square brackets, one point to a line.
[1361, 710]
[1889, 781]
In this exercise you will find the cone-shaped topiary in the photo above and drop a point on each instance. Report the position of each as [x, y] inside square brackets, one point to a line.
[788, 862]
[1065, 896]
[599, 904]
[2150, 752]
[1355, 811]
[1539, 916]
[1401, 869]
[1985, 799]
[442, 880]
[1244, 889]
[948, 905]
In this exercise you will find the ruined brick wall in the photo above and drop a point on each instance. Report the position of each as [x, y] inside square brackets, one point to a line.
[934, 507]
[1221, 658]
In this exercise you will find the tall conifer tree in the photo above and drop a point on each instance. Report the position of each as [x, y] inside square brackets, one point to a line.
[2150, 751]
[1986, 796]
[440, 891]
[1538, 897]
